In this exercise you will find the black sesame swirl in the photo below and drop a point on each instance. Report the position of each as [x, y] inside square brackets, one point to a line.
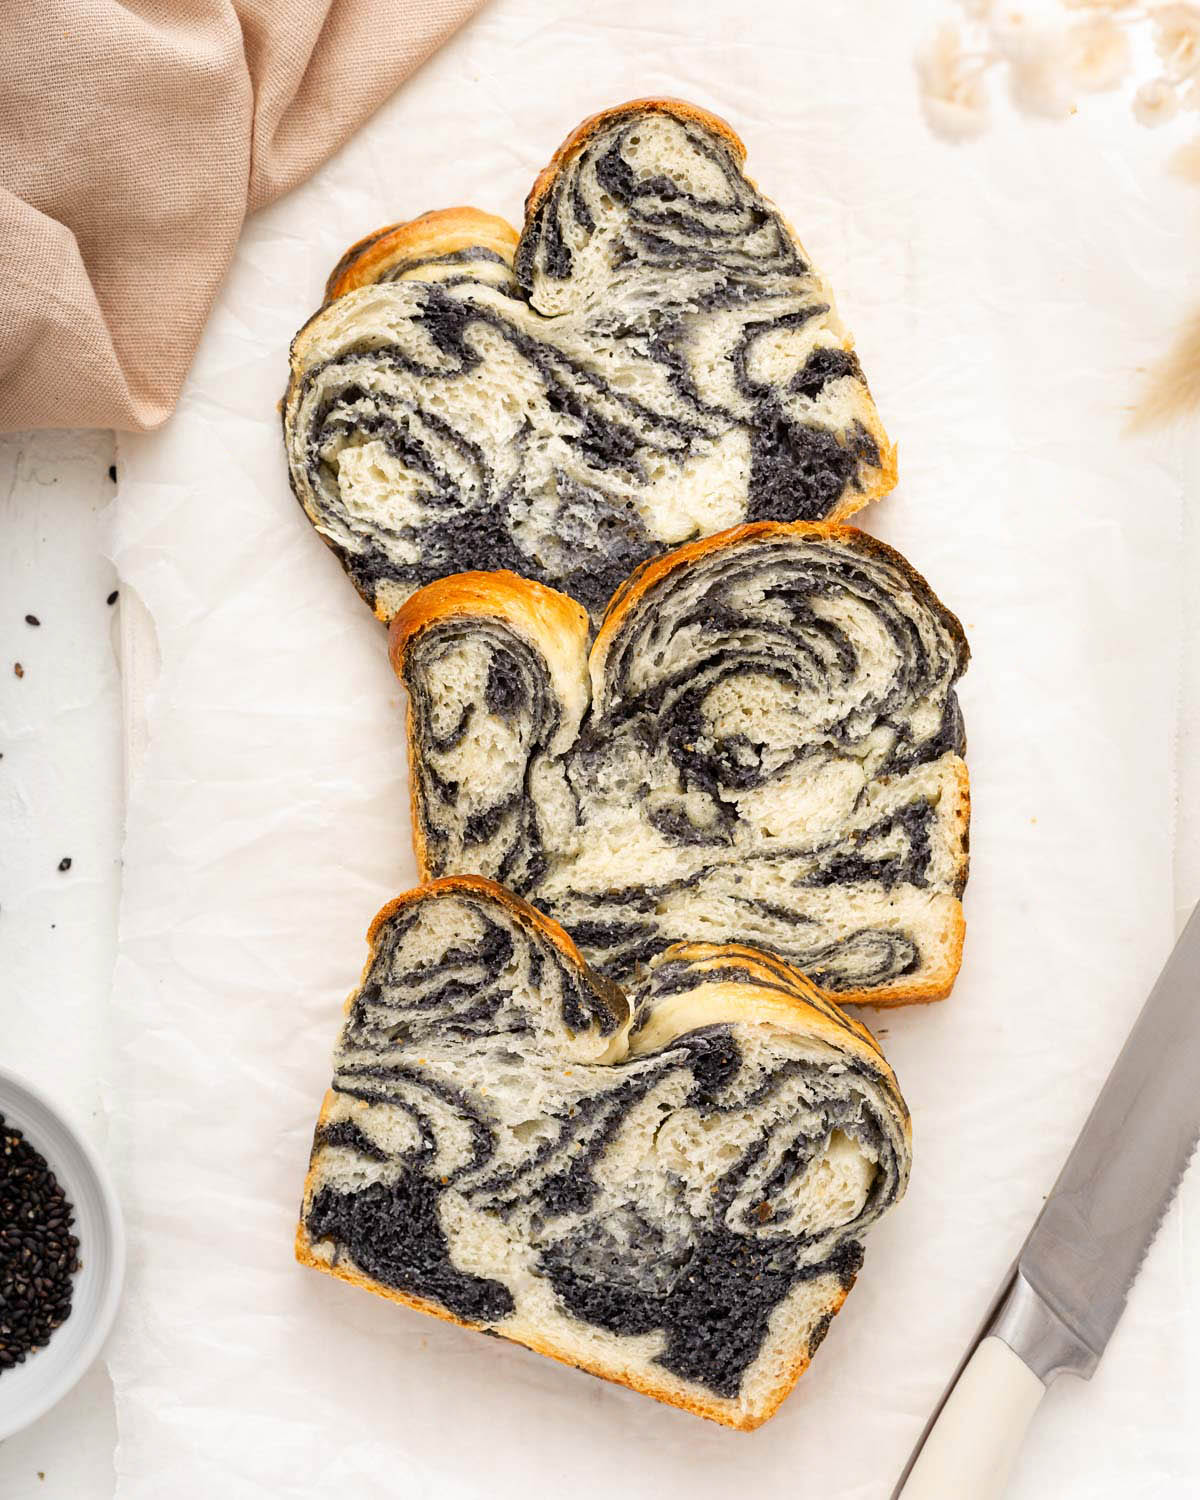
[663, 362]
[484, 670]
[509, 1140]
[771, 754]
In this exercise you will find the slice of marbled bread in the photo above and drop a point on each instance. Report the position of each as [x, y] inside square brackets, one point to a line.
[668, 1189]
[653, 360]
[762, 746]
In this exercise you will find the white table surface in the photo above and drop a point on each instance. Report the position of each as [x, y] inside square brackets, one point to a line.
[61, 794]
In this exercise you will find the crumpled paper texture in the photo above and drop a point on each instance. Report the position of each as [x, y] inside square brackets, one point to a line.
[1003, 296]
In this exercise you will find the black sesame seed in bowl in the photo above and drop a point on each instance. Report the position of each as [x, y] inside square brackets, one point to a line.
[38, 1253]
[62, 1253]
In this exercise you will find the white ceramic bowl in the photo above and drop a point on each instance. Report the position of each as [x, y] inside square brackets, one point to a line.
[28, 1390]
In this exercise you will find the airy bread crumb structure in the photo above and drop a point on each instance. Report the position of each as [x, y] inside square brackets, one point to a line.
[654, 359]
[667, 1188]
[763, 745]
[686, 768]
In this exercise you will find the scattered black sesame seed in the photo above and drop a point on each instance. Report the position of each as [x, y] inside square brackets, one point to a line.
[38, 1252]
[65, 862]
[32, 620]
[112, 598]
[18, 669]
[112, 472]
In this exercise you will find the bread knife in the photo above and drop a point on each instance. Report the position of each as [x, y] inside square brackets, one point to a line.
[1056, 1312]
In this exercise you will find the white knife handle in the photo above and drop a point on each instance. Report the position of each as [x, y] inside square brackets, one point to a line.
[971, 1448]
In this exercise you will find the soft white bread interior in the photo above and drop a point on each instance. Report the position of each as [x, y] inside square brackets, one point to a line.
[655, 360]
[668, 1189]
[763, 746]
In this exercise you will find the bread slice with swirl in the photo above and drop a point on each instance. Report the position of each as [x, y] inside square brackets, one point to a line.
[763, 745]
[667, 1188]
[653, 359]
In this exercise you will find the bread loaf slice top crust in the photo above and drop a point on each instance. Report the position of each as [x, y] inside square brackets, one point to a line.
[408, 249]
[680, 109]
[649, 361]
[667, 1190]
[762, 745]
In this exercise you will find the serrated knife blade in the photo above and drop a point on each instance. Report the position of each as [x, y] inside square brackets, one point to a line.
[1090, 1238]
[1057, 1311]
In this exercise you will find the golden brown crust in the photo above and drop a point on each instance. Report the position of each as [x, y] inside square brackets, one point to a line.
[938, 985]
[644, 578]
[528, 916]
[583, 132]
[532, 605]
[881, 480]
[723, 1412]
[883, 477]
[785, 998]
[503, 595]
[809, 1003]
[441, 231]
[787, 986]
[917, 991]
[935, 986]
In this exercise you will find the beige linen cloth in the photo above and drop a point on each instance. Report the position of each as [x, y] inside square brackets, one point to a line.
[134, 139]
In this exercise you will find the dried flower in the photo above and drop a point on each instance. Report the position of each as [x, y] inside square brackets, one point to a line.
[1039, 75]
[1043, 88]
[1045, 66]
[1177, 38]
[1173, 387]
[1155, 103]
[1041, 84]
[1098, 54]
[952, 91]
[1015, 37]
[1185, 161]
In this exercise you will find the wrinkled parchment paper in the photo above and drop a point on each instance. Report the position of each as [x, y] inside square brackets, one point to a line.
[1003, 296]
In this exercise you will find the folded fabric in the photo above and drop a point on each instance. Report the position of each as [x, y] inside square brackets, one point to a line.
[134, 140]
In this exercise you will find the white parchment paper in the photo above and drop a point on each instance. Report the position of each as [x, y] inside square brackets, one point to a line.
[1003, 296]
